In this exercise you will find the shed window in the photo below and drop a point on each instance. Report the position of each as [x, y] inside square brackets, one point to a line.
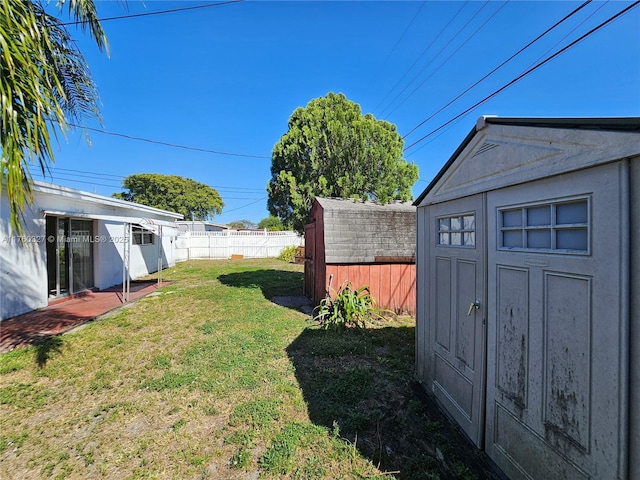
[142, 236]
[457, 231]
[561, 226]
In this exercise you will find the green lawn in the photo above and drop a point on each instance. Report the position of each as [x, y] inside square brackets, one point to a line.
[210, 379]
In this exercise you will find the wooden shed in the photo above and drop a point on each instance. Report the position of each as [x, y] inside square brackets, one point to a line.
[364, 243]
[528, 322]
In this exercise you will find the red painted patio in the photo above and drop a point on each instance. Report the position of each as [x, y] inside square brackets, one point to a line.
[64, 315]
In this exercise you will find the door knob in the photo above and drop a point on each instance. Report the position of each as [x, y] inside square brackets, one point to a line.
[475, 305]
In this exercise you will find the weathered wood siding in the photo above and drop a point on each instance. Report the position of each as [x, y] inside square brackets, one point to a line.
[366, 244]
[392, 285]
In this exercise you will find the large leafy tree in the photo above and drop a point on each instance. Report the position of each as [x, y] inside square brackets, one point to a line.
[332, 150]
[45, 85]
[272, 224]
[194, 200]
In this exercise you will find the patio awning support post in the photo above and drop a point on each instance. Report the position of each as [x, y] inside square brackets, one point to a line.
[126, 263]
[160, 255]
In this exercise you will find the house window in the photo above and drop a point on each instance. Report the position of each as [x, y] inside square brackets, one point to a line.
[142, 236]
[457, 231]
[561, 226]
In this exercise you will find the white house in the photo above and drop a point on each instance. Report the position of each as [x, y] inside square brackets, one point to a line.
[528, 296]
[76, 240]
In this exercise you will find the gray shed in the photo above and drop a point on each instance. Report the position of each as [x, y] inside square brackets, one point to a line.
[528, 294]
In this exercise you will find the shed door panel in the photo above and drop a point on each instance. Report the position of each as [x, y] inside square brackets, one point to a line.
[556, 326]
[456, 310]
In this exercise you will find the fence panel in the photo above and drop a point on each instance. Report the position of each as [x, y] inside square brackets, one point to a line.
[220, 245]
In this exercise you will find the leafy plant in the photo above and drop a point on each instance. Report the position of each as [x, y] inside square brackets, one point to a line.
[288, 253]
[349, 307]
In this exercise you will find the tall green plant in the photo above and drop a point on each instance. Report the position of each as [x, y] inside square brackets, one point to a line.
[45, 84]
[348, 307]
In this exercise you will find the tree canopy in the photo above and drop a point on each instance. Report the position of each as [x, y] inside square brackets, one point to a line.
[194, 200]
[332, 150]
[272, 224]
[242, 224]
[45, 85]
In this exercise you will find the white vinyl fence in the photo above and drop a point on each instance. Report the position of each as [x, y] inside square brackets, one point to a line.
[249, 244]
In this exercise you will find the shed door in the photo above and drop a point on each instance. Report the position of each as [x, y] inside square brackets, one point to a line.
[457, 311]
[557, 338]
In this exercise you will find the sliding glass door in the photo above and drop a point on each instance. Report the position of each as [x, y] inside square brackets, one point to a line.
[69, 255]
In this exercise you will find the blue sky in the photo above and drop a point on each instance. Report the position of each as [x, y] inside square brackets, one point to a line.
[227, 78]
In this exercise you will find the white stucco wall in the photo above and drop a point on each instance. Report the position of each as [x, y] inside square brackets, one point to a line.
[23, 267]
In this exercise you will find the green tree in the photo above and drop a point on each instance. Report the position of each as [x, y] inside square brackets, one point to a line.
[332, 150]
[273, 224]
[242, 224]
[194, 200]
[45, 85]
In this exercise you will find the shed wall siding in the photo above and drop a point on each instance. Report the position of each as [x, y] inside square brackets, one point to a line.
[392, 285]
[634, 316]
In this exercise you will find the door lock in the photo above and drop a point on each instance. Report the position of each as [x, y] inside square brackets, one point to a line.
[475, 305]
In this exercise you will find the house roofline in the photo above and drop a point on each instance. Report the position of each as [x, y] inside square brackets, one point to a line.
[51, 188]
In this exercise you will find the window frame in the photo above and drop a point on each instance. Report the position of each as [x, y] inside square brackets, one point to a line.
[462, 231]
[553, 227]
[146, 237]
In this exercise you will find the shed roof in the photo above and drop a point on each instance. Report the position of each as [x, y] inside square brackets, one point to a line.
[367, 232]
[595, 140]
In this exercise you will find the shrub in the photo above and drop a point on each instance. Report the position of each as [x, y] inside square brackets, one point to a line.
[288, 253]
[348, 308]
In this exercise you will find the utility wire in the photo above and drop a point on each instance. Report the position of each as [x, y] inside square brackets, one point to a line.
[161, 12]
[420, 56]
[436, 56]
[167, 144]
[566, 17]
[63, 173]
[527, 72]
[448, 58]
[569, 33]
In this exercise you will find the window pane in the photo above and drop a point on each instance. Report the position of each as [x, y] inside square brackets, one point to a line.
[567, 213]
[539, 239]
[456, 223]
[469, 222]
[456, 239]
[443, 224]
[512, 239]
[444, 239]
[572, 239]
[470, 239]
[512, 218]
[539, 216]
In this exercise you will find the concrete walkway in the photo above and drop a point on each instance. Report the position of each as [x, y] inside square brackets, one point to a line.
[64, 315]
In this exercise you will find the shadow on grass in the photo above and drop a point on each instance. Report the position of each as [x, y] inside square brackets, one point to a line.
[361, 382]
[46, 348]
[271, 282]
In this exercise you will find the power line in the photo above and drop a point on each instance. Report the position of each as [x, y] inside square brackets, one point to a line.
[68, 174]
[161, 12]
[420, 56]
[436, 55]
[167, 144]
[527, 72]
[245, 206]
[566, 17]
[449, 57]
